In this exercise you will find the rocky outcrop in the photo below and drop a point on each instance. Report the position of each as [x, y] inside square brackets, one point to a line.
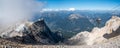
[97, 35]
[36, 33]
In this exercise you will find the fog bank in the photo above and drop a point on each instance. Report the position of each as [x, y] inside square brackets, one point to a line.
[17, 11]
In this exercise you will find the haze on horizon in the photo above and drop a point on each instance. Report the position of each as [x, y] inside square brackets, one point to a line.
[80, 4]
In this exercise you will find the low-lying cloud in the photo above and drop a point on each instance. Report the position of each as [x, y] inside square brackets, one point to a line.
[14, 11]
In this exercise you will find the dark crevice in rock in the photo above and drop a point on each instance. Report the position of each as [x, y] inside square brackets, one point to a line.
[113, 34]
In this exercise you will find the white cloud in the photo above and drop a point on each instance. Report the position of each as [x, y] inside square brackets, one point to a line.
[71, 9]
[12, 11]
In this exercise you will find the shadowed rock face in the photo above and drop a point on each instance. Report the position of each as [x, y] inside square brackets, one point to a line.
[38, 33]
[113, 34]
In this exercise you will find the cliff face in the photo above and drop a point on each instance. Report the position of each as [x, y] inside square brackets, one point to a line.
[98, 35]
[42, 33]
[35, 33]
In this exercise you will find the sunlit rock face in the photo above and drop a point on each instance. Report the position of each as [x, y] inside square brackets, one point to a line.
[97, 35]
[15, 29]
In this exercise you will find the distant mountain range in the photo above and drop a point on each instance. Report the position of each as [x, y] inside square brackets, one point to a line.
[73, 22]
[58, 27]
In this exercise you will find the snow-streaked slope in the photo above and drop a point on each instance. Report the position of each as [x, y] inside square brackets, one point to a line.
[15, 29]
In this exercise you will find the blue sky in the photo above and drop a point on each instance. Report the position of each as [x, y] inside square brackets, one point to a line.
[81, 4]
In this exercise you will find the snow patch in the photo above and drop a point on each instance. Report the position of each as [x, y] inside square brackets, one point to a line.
[20, 28]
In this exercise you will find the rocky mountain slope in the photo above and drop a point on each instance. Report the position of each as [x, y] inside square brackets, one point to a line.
[105, 37]
[33, 33]
[98, 35]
